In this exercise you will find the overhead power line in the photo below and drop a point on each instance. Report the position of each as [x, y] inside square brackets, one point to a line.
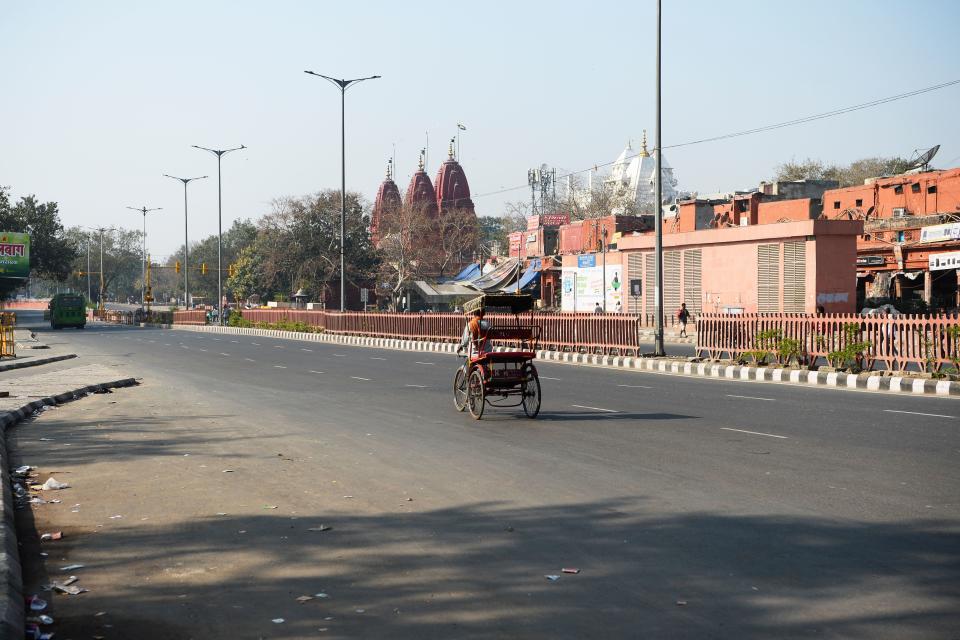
[769, 127]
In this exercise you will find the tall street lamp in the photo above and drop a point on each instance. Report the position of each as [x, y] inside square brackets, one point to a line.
[101, 230]
[143, 274]
[343, 85]
[186, 238]
[219, 153]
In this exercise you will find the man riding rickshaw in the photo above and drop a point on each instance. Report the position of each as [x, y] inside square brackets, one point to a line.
[499, 360]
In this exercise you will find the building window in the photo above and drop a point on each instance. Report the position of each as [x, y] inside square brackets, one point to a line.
[932, 188]
[859, 202]
[898, 189]
[836, 204]
[899, 236]
[915, 187]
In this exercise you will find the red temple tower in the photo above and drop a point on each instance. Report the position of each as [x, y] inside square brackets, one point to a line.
[388, 199]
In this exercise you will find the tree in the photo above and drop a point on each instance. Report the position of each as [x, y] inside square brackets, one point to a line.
[456, 240]
[406, 234]
[52, 252]
[847, 175]
[247, 274]
[122, 257]
[298, 244]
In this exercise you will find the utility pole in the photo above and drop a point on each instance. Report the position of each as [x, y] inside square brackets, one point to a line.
[658, 211]
[143, 274]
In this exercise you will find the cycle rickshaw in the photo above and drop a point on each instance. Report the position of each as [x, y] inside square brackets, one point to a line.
[503, 378]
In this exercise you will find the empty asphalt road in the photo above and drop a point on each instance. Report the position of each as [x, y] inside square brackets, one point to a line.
[693, 508]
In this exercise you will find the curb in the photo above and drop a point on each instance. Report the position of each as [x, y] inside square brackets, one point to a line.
[35, 363]
[867, 382]
[11, 583]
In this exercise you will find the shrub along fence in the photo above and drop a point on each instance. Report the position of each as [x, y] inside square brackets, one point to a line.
[930, 343]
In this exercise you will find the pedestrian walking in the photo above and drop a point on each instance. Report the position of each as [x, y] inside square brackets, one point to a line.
[683, 315]
[598, 308]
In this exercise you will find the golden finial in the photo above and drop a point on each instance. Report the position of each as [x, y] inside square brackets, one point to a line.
[422, 151]
[450, 150]
[389, 168]
[643, 146]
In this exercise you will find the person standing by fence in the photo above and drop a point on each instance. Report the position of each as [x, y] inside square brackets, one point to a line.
[683, 315]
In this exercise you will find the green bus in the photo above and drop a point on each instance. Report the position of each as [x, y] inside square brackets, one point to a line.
[68, 310]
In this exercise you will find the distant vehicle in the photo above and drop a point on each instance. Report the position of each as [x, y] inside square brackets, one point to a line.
[68, 310]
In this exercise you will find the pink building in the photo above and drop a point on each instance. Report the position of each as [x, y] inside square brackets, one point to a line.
[790, 267]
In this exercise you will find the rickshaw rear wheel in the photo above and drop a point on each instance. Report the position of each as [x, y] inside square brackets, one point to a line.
[460, 389]
[476, 399]
[531, 391]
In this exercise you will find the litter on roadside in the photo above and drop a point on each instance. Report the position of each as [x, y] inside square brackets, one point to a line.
[22, 471]
[681, 603]
[72, 567]
[52, 484]
[55, 535]
[41, 619]
[36, 603]
[322, 527]
[303, 599]
[269, 506]
[570, 570]
[552, 578]
[278, 621]
[69, 589]
[320, 595]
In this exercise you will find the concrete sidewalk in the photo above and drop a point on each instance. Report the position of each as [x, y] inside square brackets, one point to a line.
[30, 395]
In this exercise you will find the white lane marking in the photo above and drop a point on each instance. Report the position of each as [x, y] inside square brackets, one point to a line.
[235, 341]
[580, 406]
[166, 344]
[549, 378]
[218, 339]
[316, 372]
[339, 355]
[249, 359]
[750, 398]
[279, 366]
[917, 413]
[152, 341]
[755, 433]
[279, 346]
[373, 358]
[256, 344]
[303, 349]
[200, 349]
[423, 363]
[359, 378]
[225, 354]
[634, 386]
[183, 346]
[418, 386]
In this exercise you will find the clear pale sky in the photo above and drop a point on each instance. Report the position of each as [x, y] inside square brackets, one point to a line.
[101, 98]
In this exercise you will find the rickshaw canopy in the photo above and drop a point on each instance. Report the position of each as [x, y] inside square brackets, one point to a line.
[516, 303]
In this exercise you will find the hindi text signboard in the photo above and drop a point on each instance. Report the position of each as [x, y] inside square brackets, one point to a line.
[14, 255]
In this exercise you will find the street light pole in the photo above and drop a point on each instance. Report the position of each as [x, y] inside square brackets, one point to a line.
[88, 268]
[343, 85]
[100, 230]
[143, 273]
[658, 211]
[219, 153]
[186, 239]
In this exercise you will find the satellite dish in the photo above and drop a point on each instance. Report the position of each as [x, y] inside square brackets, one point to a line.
[921, 159]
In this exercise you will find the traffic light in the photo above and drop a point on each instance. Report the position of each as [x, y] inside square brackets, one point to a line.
[149, 296]
[176, 267]
[203, 268]
[231, 270]
[79, 274]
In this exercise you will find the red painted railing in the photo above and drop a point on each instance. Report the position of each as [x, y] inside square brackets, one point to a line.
[896, 343]
[612, 333]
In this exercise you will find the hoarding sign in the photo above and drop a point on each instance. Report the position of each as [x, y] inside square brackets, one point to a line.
[555, 219]
[583, 288]
[14, 255]
[587, 261]
[533, 222]
[941, 261]
[868, 261]
[940, 232]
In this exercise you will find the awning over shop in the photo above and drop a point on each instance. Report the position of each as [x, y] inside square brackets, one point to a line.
[470, 272]
[529, 280]
[442, 293]
[497, 278]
